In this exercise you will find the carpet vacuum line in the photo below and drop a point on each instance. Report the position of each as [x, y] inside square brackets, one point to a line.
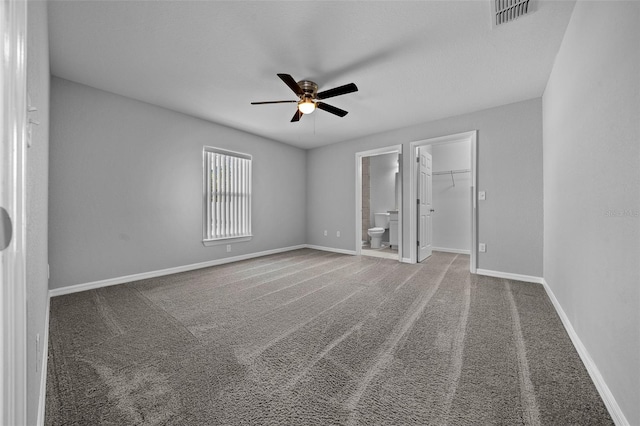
[385, 356]
[530, 410]
[339, 340]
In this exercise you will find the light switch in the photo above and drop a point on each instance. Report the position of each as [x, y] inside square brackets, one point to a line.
[482, 195]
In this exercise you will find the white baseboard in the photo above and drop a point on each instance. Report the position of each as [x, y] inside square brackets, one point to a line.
[43, 368]
[331, 249]
[152, 274]
[509, 276]
[406, 260]
[605, 393]
[448, 250]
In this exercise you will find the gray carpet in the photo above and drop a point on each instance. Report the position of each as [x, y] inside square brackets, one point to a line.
[316, 338]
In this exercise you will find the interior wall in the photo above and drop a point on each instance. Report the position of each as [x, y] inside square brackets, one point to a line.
[37, 200]
[452, 203]
[383, 169]
[126, 187]
[591, 110]
[366, 197]
[509, 169]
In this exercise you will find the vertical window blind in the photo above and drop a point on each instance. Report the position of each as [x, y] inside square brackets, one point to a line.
[227, 194]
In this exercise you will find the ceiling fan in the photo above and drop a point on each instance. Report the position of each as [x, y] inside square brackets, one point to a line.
[310, 98]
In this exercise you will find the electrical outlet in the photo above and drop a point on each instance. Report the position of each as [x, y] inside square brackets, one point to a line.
[482, 195]
[228, 248]
[325, 233]
[338, 234]
[482, 247]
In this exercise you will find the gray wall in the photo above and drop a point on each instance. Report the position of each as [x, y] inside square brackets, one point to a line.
[37, 190]
[591, 110]
[382, 173]
[366, 198]
[452, 204]
[126, 187]
[509, 169]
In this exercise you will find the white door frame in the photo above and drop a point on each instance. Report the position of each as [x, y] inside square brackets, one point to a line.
[394, 149]
[470, 137]
[13, 306]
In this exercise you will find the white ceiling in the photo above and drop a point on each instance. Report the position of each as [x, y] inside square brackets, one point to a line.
[413, 62]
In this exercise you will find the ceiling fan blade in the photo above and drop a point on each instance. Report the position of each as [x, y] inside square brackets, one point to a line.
[333, 110]
[297, 116]
[342, 90]
[273, 102]
[293, 85]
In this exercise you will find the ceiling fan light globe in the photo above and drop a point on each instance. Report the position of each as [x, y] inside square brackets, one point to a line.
[306, 106]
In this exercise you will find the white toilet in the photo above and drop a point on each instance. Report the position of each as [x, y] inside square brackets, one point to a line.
[381, 222]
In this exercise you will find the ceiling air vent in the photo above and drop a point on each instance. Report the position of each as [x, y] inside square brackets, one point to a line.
[504, 11]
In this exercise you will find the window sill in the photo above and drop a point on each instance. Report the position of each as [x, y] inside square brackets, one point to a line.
[230, 240]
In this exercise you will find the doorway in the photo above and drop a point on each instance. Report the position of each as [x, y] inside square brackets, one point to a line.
[379, 195]
[443, 183]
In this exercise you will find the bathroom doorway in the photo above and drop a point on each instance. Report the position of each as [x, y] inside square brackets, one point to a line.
[452, 224]
[379, 203]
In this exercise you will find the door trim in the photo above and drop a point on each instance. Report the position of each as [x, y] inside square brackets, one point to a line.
[13, 297]
[471, 137]
[393, 149]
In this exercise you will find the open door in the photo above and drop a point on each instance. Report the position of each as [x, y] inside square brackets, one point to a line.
[13, 306]
[425, 206]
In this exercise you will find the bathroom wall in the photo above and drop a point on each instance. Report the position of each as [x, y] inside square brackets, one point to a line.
[366, 197]
[383, 174]
[452, 204]
[383, 169]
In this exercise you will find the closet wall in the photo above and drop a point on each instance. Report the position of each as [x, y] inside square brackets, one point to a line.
[452, 197]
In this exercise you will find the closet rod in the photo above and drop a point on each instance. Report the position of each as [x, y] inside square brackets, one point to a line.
[451, 172]
[448, 172]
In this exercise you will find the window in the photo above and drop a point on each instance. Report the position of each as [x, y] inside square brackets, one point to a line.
[227, 196]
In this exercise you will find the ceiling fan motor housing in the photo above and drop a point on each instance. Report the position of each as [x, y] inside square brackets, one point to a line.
[309, 88]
